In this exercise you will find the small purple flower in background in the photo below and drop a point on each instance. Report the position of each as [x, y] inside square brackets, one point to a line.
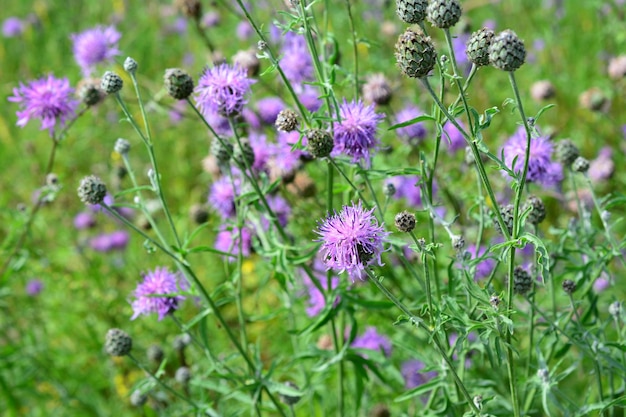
[119, 239]
[603, 167]
[210, 19]
[408, 187]
[459, 44]
[84, 220]
[372, 340]
[485, 266]
[227, 241]
[355, 135]
[95, 46]
[412, 134]
[244, 30]
[268, 109]
[317, 301]
[49, 99]
[262, 151]
[601, 283]
[158, 282]
[351, 240]
[222, 196]
[251, 119]
[541, 168]
[12, 27]
[281, 209]
[296, 61]
[413, 373]
[453, 137]
[219, 123]
[222, 89]
[108, 242]
[34, 287]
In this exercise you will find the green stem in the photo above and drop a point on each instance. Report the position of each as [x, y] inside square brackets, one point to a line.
[355, 50]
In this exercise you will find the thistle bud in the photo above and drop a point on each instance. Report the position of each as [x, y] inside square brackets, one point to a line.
[415, 54]
[405, 221]
[117, 343]
[507, 51]
[477, 49]
[178, 83]
[444, 13]
[92, 190]
[411, 11]
[320, 143]
[111, 83]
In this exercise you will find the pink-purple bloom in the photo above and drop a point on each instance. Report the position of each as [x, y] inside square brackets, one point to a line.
[95, 46]
[355, 134]
[48, 99]
[158, 293]
[222, 89]
[541, 168]
[12, 27]
[84, 220]
[485, 266]
[412, 134]
[227, 241]
[372, 340]
[222, 196]
[317, 300]
[296, 61]
[351, 240]
[453, 137]
[34, 287]
[414, 375]
[268, 109]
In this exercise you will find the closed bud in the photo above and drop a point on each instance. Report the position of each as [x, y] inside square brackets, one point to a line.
[130, 65]
[178, 83]
[507, 51]
[286, 121]
[415, 54]
[319, 143]
[117, 343]
[522, 281]
[444, 13]
[580, 164]
[405, 221]
[411, 11]
[92, 190]
[477, 49]
[111, 83]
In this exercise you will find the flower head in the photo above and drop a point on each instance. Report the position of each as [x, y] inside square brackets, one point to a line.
[222, 89]
[372, 340]
[12, 27]
[413, 373]
[414, 133]
[158, 282]
[355, 135]
[222, 196]
[351, 240]
[34, 287]
[541, 168]
[296, 61]
[48, 99]
[95, 46]
[228, 241]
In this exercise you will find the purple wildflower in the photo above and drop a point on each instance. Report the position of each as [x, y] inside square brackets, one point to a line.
[251, 119]
[262, 151]
[296, 61]
[222, 196]
[34, 287]
[603, 167]
[281, 209]
[210, 19]
[101, 243]
[355, 135]
[48, 99]
[84, 220]
[244, 30]
[412, 134]
[317, 300]
[222, 89]
[12, 27]
[541, 168]
[408, 187]
[351, 240]
[485, 266]
[309, 97]
[119, 239]
[372, 340]
[95, 46]
[459, 43]
[601, 283]
[227, 241]
[219, 123]
[413, 373]
[269, 108]
[454, 137]
[158, 282]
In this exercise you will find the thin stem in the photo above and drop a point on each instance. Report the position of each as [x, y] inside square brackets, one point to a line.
[355, 50]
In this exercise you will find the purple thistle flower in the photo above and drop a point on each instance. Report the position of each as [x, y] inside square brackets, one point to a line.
[459, 43]
[269, 108]
[413, 373]
[222, 89]
[262, 151]
[158, 282]
[351, 240]
[281, 209]
[222, 196]
[48, 99]
[12, 27]
[603, 167]
[34, 287]
[251, 119]
[244, 30]
[227, 240]
[210, 19]
[95, 46]
[119, 239]
[372, 340]
[309, 97]
[84, 220]
[412, 134]
[101, 243]
[355, 135]
[541, 168]
[317, 300]
[485, 266]
[453, 137]
[296, 61]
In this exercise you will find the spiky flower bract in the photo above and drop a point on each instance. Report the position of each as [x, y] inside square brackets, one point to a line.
[355, 135]
[48, 99]
[158, 282]
[541, 168]
[351, 240]
[95, 46]
[222, 89]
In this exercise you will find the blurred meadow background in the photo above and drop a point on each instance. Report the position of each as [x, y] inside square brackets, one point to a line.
[61, 291]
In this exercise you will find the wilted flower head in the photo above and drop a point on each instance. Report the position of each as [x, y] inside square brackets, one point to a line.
[48, 99]
[351, 240]
[541, 168]
[372, 340]
[222, 89]
[95, 46]
[355, 134]
[158, 282]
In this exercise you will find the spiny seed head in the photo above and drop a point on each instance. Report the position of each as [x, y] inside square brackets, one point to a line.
[290, 399]
[580, 164]
[155, 353]
[122, 146]
[178, 83]
[522, 281]
[538, 210]
[221, 150]
[569, 286]
[130, 65]
[286, 121]
[411, 11]
[444, 13]
[507, 51]
[117, 342]
[415, 54]
[52, 179]
[89, 91]
[111, 83]
[477, 49]
[495, 301]
[244, 154]
[507, 215]
[183, 375]
[320, 143]
[566, 152]
[92, 190]
[405, 221]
